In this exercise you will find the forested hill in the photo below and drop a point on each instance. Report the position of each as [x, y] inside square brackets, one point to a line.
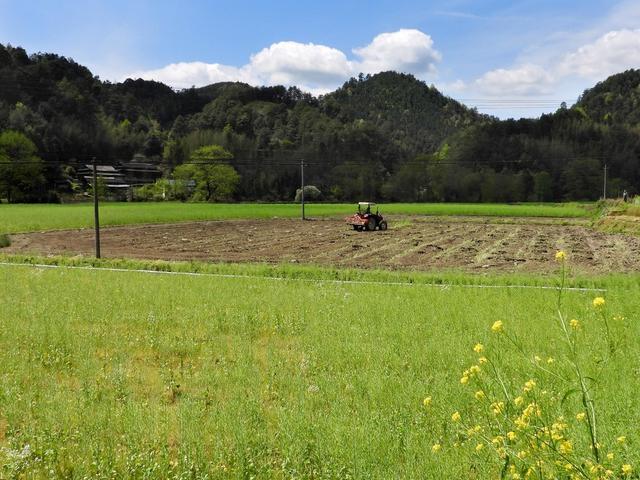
[388, 136]
[403, 109]
[615, 100]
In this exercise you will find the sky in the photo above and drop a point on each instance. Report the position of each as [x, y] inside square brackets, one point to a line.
[516, 58]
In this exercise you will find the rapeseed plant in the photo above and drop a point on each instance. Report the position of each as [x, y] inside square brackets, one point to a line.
[525, 431]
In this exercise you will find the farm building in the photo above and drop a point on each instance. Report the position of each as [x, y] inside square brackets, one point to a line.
[122, 176]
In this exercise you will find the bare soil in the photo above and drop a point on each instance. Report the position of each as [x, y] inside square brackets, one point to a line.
[411, 243]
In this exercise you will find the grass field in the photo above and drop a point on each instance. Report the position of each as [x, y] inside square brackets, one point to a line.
[133, 375]
[26, 218]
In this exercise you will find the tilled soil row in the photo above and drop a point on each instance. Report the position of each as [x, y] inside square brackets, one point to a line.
[420, 245]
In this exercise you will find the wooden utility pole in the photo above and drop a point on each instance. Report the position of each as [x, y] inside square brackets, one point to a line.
[96, 209]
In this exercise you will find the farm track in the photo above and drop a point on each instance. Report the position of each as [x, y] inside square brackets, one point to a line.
[454, 243]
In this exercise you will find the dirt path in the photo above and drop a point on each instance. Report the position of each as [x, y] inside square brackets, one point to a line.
[413, 243]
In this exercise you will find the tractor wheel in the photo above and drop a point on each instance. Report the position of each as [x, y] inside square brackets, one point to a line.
[383, 225]
[355, 227]
[371, 224]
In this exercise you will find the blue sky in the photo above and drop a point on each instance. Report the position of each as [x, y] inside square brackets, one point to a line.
[510, 58]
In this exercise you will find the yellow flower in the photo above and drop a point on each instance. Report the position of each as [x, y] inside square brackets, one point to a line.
[565, 447]
[621, 439]
[516, 476]
[455, 417]
[581, 416]
[598, 302]
[479, 395]
[436, 447]
[475, 369]
[464, 380]
[575, 324]
[627, 469]
[512, 436]
[609, 456]
[479, 447]
[497, 326]
[529, 385]
[482, 360]
[560, 256]
[497, 407]
[426, 402]
[478, 348]
[518, 401]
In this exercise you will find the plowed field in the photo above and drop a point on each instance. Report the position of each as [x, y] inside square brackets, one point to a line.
[518, 245]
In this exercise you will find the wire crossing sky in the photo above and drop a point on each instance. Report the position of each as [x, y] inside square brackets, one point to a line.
[507, 58]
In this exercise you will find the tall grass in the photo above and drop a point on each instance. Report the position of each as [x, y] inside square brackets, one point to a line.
[132, 375]
[24, 218]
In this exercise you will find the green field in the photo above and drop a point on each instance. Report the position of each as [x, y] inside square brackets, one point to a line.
[26, 218]
[134, 375]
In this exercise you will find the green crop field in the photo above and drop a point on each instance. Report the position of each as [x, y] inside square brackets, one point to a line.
[25, 218]
[109, 374]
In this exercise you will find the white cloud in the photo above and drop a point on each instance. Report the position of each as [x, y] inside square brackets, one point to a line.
[294, 63]
[187, 74]
[406, 50]
[611, 53]
[454, 87]
[523, 80]
[315, 68]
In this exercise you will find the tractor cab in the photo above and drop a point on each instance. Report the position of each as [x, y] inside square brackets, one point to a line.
[365, 219]
[365, 208]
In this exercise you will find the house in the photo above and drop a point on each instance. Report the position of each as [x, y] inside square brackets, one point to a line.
[121, 177]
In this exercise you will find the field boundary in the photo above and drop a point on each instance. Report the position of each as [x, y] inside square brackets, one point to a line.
[305, 280]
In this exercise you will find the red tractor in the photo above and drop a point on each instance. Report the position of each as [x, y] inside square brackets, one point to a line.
[364, 219]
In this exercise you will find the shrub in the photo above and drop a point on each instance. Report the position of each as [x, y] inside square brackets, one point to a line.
[311, 192]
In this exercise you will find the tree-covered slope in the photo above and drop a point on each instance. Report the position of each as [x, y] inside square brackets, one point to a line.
[615, 100]
[408, 111]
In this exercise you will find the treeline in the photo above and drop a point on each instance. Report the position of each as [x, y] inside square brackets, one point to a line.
[387, 136]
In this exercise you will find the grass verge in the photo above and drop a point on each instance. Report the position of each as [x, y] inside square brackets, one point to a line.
[310, 272]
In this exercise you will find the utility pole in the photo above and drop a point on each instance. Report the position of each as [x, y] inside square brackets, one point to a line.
[302, 182]
[604, 187]
[96, 211]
